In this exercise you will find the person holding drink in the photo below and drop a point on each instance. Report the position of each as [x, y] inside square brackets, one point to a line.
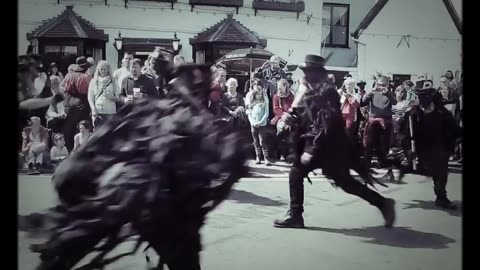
[137, 85]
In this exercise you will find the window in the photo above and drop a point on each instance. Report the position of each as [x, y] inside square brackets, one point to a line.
[61, 49]
[335, 25]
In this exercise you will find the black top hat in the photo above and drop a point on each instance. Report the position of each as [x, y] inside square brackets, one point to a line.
[424, 87]
[81, 64]
[313, 62]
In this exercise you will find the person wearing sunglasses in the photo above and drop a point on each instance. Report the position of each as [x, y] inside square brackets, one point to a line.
[378, 130]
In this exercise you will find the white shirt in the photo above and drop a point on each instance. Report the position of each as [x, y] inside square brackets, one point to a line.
[120, 74]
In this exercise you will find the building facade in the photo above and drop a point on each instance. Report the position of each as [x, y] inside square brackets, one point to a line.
[287, 31]
[404, 42]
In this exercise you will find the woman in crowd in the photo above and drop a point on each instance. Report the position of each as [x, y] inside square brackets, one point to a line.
[398, 142]
[103, 93]
[56, 112]
[451, 80]
[282, 101]
[350, 102]
[258, 116]
[53, 71]
[218, 88]
[35, 142]
[398, 110]
[84, 132]
[233, 104]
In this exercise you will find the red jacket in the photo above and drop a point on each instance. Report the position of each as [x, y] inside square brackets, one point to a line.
[77, 83]
[281, 105]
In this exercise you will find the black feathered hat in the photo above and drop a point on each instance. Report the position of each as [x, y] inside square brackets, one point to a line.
[424, 87]
[313, 62]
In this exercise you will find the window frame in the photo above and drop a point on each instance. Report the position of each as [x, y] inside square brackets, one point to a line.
[328, 43]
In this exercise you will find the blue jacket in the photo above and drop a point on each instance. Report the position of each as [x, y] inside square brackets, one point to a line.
[258, 114]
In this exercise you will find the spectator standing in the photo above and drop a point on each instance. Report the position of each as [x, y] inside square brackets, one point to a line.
[450, 98]
[58, 152]
[451, 81]
[157, 61]
[410, 91]
[271, 74]
[120, 74]
[84, 133]
[137, 85]
[258, 117]
[56, 115]
[103, 93]
[35, 142]
[379, 126]
[282, 102]
[53, 71]
[350, 102]
[218, 88]
[234, 105]
[76, 88]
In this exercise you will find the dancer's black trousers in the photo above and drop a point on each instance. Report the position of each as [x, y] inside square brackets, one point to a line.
[342, 179]
[435, 163]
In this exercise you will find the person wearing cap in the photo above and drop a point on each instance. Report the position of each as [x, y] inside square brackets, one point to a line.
[435, 133]
[76, 88]
[35, 142]
[378, 129]
[321, 142]
[157, 67]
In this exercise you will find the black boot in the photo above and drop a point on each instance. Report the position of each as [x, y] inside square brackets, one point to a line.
[31, 169]
[292, 219]
[388, 212]
[37, 168]
[445, 203]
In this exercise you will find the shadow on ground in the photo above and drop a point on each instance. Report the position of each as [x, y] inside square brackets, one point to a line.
[241, 196]
[266, 171]
[403, 237]
[430, 205]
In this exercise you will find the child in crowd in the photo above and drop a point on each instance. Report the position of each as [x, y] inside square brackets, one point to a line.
[84, 132]
[59, 151]
[258, 116]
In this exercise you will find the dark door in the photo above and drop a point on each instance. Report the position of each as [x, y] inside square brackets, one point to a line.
[398, 79]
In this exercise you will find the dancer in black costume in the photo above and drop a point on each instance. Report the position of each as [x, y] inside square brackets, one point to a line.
[153, 171]
[435, 133]
[323, 143]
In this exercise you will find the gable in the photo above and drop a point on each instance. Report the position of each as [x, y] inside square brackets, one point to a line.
[425, 18]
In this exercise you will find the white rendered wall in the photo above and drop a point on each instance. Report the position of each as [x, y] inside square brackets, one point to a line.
[423, 19]
[156, 20]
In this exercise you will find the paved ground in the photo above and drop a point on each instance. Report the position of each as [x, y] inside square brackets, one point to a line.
[343, 232]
